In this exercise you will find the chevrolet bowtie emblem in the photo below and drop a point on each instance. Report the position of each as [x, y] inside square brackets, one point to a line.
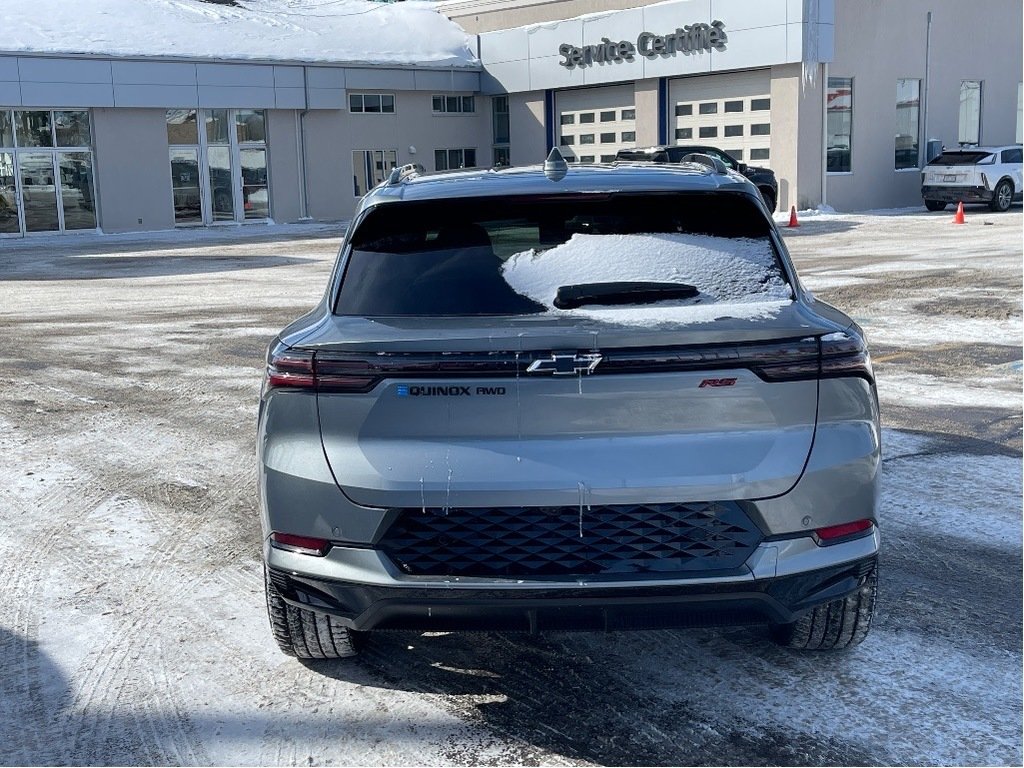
[566, 364]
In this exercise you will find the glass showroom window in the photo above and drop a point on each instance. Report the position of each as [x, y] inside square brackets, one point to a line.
[839, 109]
[450, 159]
[370, 167]
[970, 112]
[251, 135]
[46, 171]
[908, 122]
[218, 165]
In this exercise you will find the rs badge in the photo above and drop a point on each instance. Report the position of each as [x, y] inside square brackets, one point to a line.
[716, 383]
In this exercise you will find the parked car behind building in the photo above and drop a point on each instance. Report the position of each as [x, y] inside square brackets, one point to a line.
[989, 175]
[762, 178]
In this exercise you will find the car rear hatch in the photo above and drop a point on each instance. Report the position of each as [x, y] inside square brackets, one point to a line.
[956, 169]
[709, 398]
[548, 414]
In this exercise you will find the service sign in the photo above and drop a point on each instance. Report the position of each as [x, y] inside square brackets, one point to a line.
[689, 39]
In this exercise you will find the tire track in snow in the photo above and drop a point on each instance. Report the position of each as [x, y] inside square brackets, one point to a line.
[21, 679]
[109, 693]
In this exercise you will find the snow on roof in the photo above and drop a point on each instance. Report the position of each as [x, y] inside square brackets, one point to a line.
[335, 31]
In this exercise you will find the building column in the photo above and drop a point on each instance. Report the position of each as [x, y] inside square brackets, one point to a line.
[648, 112]
[796, 146]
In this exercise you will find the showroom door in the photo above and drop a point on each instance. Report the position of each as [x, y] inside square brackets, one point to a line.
[10, 209]
[38, 192]
[46, 172]
[218, 166]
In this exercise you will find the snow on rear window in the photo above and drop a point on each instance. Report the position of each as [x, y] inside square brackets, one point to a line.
[735, 277]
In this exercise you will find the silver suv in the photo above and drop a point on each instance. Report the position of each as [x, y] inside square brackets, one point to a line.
[568, 398]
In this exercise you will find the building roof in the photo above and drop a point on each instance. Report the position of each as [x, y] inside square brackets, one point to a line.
[315, 31]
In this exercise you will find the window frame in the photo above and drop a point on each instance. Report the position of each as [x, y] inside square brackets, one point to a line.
[447, 154]
[914, 131]
[838, 83]
[461, 101]
[960, 114]
[385, 171]
[234, 147]
[362, 97]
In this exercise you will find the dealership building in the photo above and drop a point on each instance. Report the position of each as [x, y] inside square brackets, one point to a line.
[843, 99]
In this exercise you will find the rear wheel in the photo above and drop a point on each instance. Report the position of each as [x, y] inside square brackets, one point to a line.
[1003, 196]
[833, 626]
[305, 634]
[934, 205]
[769, 199]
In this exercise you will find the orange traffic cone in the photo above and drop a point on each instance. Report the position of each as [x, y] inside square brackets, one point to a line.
[792, 218]
[959, 218]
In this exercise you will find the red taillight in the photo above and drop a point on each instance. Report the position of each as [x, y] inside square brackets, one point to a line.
[303, 545]
[289, 368]
[844, 354]
[835, 532]
[298, 369]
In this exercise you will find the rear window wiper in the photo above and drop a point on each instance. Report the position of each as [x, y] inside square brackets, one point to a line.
[572, 296]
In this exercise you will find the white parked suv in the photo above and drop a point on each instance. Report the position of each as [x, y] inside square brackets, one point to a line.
[989, 175]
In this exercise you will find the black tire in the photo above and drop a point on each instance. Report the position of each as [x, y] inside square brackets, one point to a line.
[1002, 197]
[833, 626]
[769, 199]
[935, 205]
[306, 634]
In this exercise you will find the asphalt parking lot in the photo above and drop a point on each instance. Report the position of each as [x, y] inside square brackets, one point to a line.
[132, 623]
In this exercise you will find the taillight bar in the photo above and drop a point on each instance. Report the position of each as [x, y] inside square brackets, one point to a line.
[844, 354]
[835, 355]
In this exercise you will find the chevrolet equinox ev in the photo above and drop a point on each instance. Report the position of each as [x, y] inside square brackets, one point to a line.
[588, 397]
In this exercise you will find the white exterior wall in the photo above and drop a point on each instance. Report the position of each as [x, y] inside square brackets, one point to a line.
[880, 41]
[332, 135]
[132, 170]
[760, 34]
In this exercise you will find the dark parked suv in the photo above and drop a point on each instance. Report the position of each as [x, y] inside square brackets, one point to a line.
[593, 397]
[762, 178]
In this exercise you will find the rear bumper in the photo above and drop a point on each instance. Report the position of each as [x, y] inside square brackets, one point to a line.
[476, 604]
[958, 194]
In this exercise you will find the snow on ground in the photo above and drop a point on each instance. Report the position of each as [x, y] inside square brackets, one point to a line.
[735, 277]
[923, 390]
[351, 31]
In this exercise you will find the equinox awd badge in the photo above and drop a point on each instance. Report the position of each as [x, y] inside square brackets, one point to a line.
[411, 390]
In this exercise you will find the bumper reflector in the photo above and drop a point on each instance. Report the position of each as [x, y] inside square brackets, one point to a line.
[303, 545]
[834, 532]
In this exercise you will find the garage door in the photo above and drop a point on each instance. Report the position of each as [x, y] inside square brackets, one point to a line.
[729, 111]
[595, 123]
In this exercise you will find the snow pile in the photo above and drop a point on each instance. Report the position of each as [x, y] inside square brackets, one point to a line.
[735, 277]
[352, 31]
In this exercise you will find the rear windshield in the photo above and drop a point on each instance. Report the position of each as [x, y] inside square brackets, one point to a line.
[507, 256]
[961, 158]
